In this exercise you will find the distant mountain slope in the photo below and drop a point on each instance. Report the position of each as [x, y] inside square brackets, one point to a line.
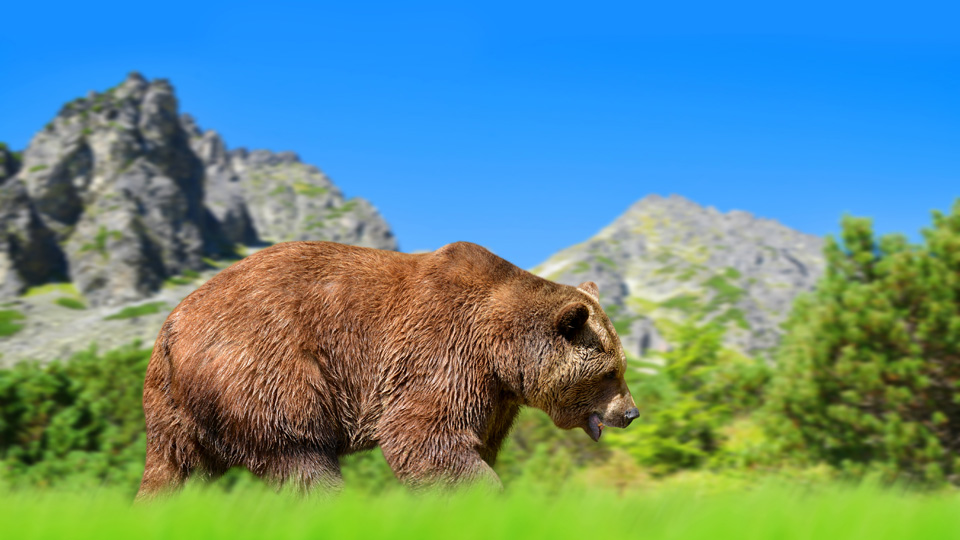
[120, 193]
[668, 259]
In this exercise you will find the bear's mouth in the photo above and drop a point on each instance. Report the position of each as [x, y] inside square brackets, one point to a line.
[594, 427]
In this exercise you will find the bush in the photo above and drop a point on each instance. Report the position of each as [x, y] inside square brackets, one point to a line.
[686, 404]
[870, 367]
[689, 409]
[78, 422]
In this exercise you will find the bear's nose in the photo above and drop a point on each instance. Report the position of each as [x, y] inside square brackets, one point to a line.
[631, 414]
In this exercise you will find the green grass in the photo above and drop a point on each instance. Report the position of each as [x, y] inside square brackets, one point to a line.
[8, 324]
[606, 261]
[213, 263]
[662, 271]
[186, 277]
[314, 223]
[580, 267]
[688, 274]
[725, 292]
[622, 326]
[732, 273]
[62, 288]
[338, 211]
[686, 303]
[136, 311]
[303, 188]
[736, 316]
[683, 514]
[99, 243]
[70, 303]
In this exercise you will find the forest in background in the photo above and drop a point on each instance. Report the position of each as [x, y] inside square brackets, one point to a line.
[863, 385]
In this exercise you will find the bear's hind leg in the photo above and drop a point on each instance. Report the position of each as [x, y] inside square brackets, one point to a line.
[161, 475]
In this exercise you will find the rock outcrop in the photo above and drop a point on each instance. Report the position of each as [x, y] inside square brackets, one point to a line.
[259, 196]
[29, 253]
[9, 163]
[120, 192]
[667, 260]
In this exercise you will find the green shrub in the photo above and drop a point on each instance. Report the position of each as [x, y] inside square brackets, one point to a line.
[79, 421]
[870, 368]
[685, 404]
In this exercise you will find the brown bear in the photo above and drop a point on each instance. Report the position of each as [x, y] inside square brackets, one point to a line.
[307, 351]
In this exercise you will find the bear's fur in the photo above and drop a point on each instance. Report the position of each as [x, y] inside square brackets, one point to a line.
[307, 351]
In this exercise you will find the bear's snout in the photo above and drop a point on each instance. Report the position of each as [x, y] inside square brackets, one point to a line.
[621, 410]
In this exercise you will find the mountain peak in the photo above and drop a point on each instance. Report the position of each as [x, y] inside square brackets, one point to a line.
[121, 192]
[671, 199]
[667, 259]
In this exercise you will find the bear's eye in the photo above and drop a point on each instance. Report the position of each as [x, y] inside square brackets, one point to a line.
[610, 375]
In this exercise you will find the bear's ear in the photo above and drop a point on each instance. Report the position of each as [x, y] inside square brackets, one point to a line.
[590, 288]
[571, 319]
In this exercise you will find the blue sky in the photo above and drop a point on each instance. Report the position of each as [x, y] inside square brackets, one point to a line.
[527, 127]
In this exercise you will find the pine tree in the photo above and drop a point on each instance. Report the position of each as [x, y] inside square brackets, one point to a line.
[869, 372]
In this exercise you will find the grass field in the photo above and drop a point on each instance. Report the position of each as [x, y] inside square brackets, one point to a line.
[763, 513]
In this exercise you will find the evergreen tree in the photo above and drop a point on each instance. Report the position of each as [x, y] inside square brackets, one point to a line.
[868, 373]
[686, 403]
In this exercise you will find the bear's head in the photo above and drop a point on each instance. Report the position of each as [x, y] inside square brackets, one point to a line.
[580, 376]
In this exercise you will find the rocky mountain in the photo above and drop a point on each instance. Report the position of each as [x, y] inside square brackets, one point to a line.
[669, 259]
[120, 193]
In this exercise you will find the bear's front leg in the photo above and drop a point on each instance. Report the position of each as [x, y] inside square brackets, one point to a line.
[438, 459]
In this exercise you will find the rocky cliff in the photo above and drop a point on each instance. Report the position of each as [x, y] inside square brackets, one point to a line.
[667, 260]
[120, 193]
